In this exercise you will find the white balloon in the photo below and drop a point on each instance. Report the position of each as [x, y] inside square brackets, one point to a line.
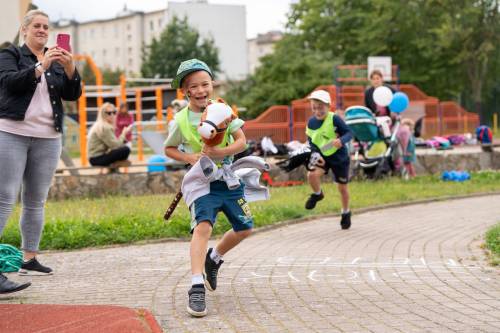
[382, 96]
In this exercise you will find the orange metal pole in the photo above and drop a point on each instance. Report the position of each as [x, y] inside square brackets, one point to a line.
[159, 107]
[82, 118]
[138, 119]
[123, 88]
[180, 94]
[170, 114]
[465, 122]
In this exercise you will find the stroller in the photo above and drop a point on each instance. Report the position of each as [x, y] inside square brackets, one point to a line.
[377, 151]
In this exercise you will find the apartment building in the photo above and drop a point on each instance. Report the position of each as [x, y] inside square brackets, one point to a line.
[11, 16]
[117, 43]
[260, 46]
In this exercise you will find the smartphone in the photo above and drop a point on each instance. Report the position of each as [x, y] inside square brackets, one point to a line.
[63, 41]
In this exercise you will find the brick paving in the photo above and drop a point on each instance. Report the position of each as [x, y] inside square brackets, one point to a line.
[417, 268]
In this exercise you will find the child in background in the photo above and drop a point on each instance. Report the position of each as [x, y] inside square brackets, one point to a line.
[123, 120]
[407, 139]
[328, 136]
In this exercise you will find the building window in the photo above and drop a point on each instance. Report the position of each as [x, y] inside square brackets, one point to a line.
[129, 38]
[159, 23]
[130, 62]
[151, 25]
[128, 27]
[117, 51]
[104, 53]
[116, 30]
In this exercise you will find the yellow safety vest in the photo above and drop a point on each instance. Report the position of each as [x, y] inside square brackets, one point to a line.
[324, 135]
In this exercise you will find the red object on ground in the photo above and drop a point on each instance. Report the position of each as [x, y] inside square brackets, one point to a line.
[267, 178]
[48, 318]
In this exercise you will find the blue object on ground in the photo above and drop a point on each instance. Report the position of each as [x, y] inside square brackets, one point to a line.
[456, 176]
[157, 159]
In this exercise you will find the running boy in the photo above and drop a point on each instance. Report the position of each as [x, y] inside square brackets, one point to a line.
[327, 135]
[195, 78]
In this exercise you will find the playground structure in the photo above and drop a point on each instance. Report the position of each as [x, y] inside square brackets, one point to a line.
[151, 108]
[285, 123]
[150, 105]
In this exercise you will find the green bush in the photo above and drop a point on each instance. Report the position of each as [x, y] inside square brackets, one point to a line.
[493, 244]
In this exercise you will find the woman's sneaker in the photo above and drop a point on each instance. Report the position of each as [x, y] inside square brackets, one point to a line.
[345, 220]
[313, 199]
[197, 306]
[211, 271]
[33, 267]
[7, 286]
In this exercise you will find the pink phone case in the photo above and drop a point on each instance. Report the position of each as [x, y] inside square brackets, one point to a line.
[63, 42]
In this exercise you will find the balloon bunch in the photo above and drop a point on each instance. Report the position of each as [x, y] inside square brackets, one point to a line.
[455, 176]
[397, 102]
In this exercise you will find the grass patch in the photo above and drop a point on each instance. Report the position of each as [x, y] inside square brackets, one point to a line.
[493, 244]
[73, 224]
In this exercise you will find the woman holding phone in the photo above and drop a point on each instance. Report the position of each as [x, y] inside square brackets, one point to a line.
[34, 79]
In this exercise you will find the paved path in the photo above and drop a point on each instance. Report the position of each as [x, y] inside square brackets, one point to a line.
[411, 269]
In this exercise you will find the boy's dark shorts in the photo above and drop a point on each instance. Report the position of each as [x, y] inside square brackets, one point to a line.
[340, 169]
[231, 202]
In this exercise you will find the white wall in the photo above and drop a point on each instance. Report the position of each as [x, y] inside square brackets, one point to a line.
[9, 19]
[226, 24]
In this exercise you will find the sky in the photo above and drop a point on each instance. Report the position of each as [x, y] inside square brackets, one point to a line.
[262, 15]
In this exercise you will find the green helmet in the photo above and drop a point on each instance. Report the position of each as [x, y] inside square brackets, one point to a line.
[188, 67]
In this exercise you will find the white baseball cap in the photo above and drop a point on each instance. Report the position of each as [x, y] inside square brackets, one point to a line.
[321, 95]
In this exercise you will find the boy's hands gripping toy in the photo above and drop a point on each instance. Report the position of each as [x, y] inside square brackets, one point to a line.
[214, 122]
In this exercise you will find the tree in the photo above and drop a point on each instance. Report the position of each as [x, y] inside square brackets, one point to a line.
[178, 42]
[292, 71]
[109, 76]
[444, 46]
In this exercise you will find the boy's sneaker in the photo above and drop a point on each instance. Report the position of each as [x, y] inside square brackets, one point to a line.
[313, 199]
[211, 271]
[33, 267]
[197, 306]
[345, 220]
[8, 286]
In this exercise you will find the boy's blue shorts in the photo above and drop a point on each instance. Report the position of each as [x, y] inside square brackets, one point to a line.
[231, 202]
[340, 169]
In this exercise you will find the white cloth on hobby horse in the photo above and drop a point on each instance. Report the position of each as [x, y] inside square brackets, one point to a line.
[196, 182]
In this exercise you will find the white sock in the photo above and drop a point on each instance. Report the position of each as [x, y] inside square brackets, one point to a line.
[345, 211]
[197, 279]
[215, 256]
[318, 193]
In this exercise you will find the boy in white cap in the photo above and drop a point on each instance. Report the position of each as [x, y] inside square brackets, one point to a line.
[184, 144]
[327, 135]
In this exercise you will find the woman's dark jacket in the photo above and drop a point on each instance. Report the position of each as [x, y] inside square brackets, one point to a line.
[370, 102]
[18, 84]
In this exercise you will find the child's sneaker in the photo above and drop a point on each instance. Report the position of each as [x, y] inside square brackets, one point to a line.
[197, 306]
[211, 271]
[313, 199]
[33, 267]
[345, 220]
